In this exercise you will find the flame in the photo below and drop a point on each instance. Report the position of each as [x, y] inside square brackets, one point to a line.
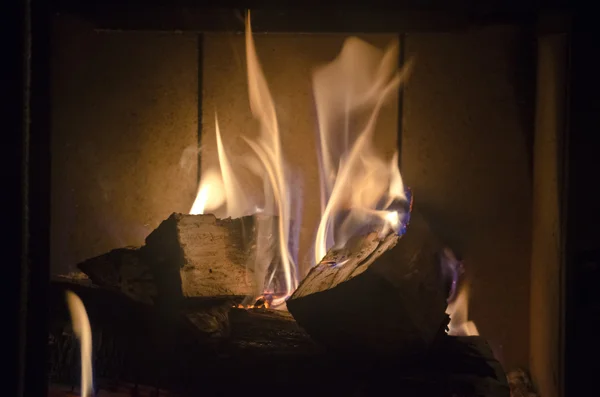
[201, 199]
[219, 188]
[83, 331]
[349, 94]
[458, 310]
[358, 186]
[268, 150]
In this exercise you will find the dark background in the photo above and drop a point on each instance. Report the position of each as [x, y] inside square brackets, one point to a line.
[583, 235]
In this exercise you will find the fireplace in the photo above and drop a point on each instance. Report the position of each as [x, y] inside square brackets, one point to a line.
[479, 127]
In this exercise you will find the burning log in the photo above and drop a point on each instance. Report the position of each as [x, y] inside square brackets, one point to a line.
[124, 270]
[198, 256]
[135, 344]
[377, 296]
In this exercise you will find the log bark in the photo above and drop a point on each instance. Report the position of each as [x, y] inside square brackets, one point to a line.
[376, 295]
[124, 270]
[198, 256]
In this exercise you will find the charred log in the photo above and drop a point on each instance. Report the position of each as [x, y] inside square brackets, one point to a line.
[255, 351]
[376, 295]
[124, 270]
[454, 366]
[140, 343]
[198, 256]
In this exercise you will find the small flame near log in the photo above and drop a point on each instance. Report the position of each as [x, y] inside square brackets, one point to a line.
[83, 331]
[458, 295]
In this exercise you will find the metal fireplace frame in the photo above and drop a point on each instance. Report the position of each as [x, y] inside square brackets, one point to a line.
[28, 157]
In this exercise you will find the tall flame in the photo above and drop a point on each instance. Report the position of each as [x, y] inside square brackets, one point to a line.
[222, 188]
[358, 186]
[83, 331]
[268, 150]
[349, 94]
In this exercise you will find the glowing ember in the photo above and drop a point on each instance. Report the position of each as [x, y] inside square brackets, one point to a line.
[358, 186]
[458, 310]
[264, 301]
[83, 331]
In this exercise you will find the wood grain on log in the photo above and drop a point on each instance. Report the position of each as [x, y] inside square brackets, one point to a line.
[198, 255]
[122, 269]
[376, 295]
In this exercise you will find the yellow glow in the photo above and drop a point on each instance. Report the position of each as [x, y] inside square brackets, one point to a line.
[201, 199]
[393, 219]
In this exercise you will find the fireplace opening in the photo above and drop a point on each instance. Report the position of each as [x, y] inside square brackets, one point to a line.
[323, 210]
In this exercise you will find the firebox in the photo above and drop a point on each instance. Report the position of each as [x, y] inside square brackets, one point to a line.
[212, 173]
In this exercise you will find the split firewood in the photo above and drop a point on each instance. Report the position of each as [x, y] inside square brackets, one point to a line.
[199, 256]
[122, 269]
[376, 295]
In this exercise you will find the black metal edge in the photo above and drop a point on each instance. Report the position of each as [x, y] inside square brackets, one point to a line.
[317, 5]
[37, 201]
[568, 274]
[581, 196]
[13, 38]
[307, 17]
